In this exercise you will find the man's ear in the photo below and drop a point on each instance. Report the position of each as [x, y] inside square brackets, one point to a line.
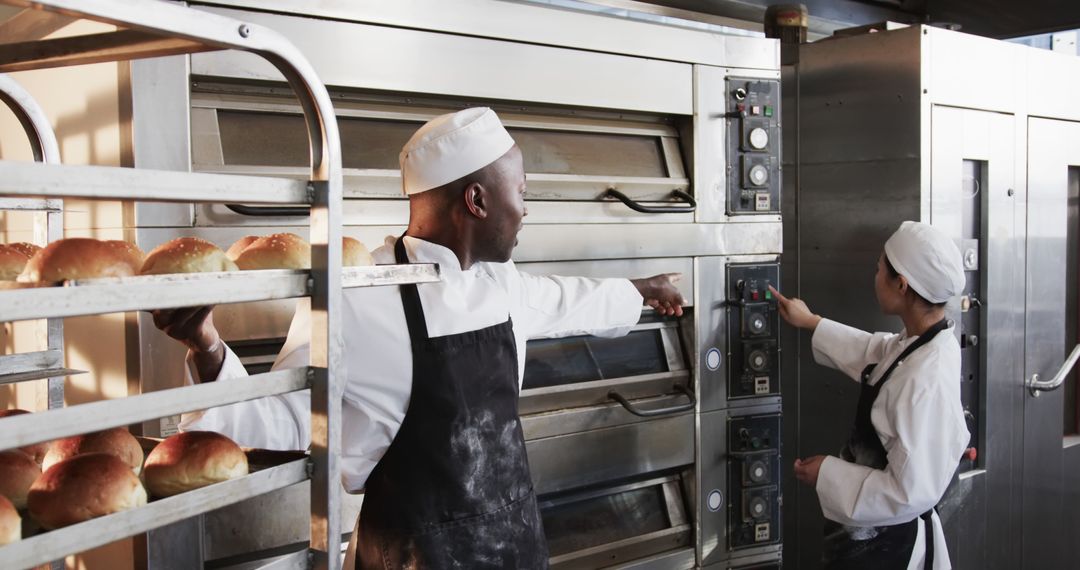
[475, 196]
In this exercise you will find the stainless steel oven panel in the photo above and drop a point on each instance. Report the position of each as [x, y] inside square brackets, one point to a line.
[573, 420]
[711, 349]
[572, 461]
[544, 25]
[461, 66]
[709, 158]
[605, 268]
[712, 478]
[595, 242]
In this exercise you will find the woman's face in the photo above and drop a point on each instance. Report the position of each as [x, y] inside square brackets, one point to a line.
[887, 289]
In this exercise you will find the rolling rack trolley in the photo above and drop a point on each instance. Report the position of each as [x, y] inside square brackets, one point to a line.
[153, 29]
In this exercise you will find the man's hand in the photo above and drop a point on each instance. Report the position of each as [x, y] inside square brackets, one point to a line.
[194, 327]
[806, 470]
[661, 294]
[795, 311]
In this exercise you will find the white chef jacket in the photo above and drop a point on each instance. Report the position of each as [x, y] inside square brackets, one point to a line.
[920, 419]
[378, 353]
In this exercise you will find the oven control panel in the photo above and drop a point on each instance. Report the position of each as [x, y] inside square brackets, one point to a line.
[753, 331]
[754, 479]
[753, 142]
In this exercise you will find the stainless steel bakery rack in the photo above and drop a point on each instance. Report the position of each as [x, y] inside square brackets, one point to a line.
[152, 28]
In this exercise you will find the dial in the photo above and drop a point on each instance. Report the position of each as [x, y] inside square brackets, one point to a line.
[758, 360]
[759, 138]
[759, 175]
[758, 472]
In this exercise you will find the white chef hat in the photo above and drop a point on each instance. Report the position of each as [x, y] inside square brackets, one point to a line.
[928, 259]
[451, 146]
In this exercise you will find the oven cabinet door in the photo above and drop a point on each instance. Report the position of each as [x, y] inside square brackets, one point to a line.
[571, 162]
[641, 524]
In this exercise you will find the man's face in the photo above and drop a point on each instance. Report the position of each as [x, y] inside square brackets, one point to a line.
[506, 206]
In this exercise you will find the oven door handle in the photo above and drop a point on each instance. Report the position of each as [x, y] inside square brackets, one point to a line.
[270, 211]
[691, 204]
[658, 411]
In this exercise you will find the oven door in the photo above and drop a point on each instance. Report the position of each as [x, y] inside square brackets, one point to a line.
[619, 525]
[572, 159]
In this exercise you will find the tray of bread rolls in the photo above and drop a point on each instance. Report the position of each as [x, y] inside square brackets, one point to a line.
[82, 491]
[84, 276]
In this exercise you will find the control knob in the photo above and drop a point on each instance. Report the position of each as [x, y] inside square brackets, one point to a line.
[759, 138]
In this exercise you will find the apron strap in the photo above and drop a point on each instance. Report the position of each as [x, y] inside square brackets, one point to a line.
[919, 342]
[928, 519]
[410, 298]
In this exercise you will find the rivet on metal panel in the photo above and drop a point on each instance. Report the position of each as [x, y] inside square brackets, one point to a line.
[1010, 192]
[244, 30]
[925, 91]
[310, 192]
[310, 373]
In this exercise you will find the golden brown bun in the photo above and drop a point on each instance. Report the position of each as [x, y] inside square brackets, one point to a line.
[10, 523]
[354, 254]
[239, 246]
[17, 472]
[276, 251]
[190, 460]
[26, 248]
[12, 262]
[186, 255]
[116, 441]
[37, 450]
[82, 488]
[82, 258]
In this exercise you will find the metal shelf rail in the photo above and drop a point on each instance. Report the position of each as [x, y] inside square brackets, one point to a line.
[48, 363]
[152, 28]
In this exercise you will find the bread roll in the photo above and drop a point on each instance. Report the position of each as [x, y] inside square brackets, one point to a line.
[10, 522]
[276, 251]
[17, 472]
[354, 254]
[116, 441]
[12, 262]
[290, 251]
[190, 460]
[186, 255]
[84, 487]
[37, 450]
[26, 248]
[239, 246]
[82, 258]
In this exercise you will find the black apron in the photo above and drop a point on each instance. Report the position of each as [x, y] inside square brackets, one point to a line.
[454, 490]
[883, 547]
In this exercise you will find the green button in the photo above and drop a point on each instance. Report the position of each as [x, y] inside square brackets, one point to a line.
[768, 111]
[768, 294]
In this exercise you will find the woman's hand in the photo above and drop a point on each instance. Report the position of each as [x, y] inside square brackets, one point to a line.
[795, 311]
[806, 470]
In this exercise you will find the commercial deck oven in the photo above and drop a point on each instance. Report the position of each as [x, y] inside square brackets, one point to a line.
[648, 148]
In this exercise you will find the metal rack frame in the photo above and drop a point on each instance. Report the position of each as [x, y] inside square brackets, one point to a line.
[48, 363]
[154, 29]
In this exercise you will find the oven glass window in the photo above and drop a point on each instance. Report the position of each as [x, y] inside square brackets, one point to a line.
[274, 139]
[600, 520]
[278, 139]
[555, 362]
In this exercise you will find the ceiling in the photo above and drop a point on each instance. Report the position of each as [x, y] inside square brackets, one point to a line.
[992, 18]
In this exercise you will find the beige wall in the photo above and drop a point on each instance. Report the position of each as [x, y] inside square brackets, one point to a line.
[84, 105]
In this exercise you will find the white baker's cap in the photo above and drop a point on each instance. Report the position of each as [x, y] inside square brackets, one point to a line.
[928, 259]
[451, 146]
